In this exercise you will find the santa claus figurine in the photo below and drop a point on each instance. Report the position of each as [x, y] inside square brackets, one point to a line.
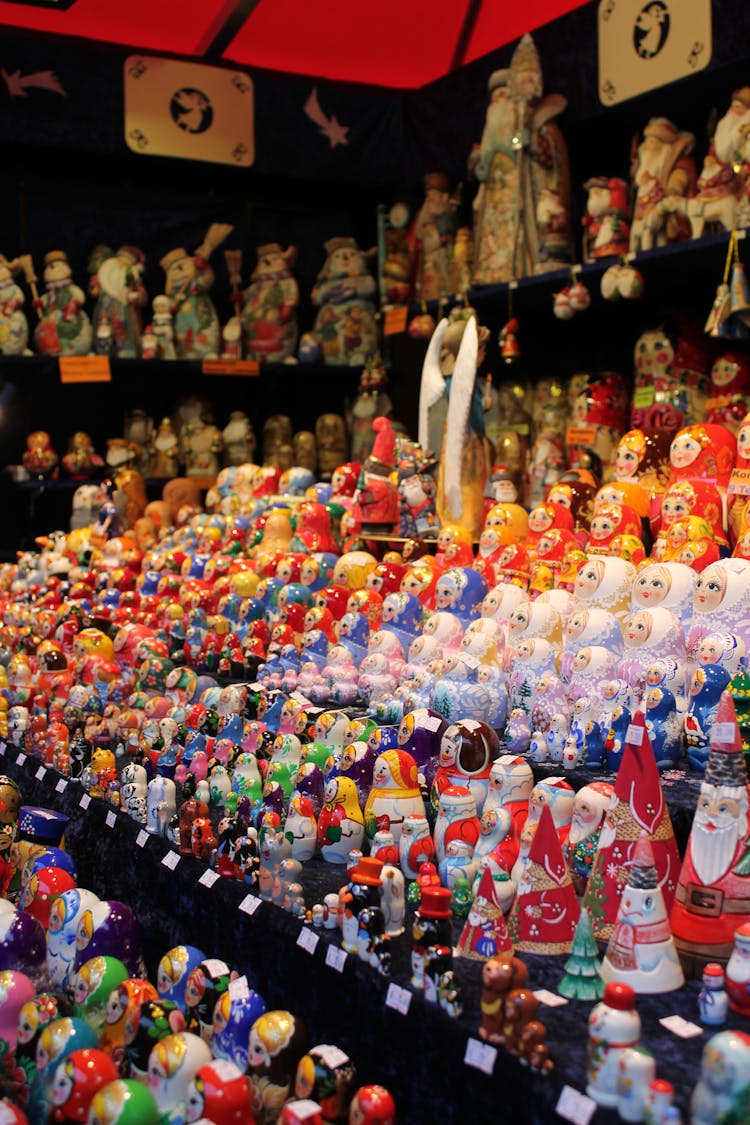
[725, 171]
[376, 499]
[664, 178]
[713, 892]
[606, 230]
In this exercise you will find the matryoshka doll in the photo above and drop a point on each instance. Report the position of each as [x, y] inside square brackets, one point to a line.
[395, 794]
[172, 1065]
[598, 420]
[606, 582]
[610, 526]
[703, 451]
[578, 497]
[468, 749]
[123, 1102]
[642, 457]
[205, 984]
[652, 635]
[278, 1041]
[721, 601]
[670, 377]
[729, 398]
[542, 519]
[219, 1092]
[341, 825]
[326, 1074]
[233, 1018]
[456, 821]
[739, 481]
[173, 971]
[666, 584]
[76, 1080]
[372, 1105]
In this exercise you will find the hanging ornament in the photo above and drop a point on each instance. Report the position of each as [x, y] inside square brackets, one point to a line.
[580, 297]
[423, 325]
[508, 341]
[729, 317]
[610, 284]
[561, 305]
[622, 280]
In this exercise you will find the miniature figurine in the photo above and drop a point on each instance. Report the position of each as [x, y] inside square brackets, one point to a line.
[64, 327]
[664, 178]
[14, 327]
[115, 284]
[722, 1092]
[614, 1025]
[431, 238]
[269, 312]
[371, 402]
[188, 280]
[722, 179]
[345, 323]
[606, 229]
[713, 1000]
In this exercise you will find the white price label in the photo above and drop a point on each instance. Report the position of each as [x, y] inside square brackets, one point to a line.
[40, 774]
[432, 723]
[62, 785]
[332, 1056]
[216, 967]
[209, 877]
[575, 1106]
[634, 735]
[249, 904]
[298, 697]
[480, 1055]
[85, 801]
[111, 819]
[142, 838]
[307, 940]
[238, 989]
[551, 999]
[3, 748]
[681, 1027]
[170, 860]
[398, 998]
[256, 687]
[20, 759]
[470, 661]
[304, 1110]
[335, 958]
[723, 732]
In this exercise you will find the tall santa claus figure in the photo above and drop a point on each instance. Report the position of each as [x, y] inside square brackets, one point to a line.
[713, 892]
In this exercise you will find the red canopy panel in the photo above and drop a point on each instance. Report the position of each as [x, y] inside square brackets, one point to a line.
[397, 43]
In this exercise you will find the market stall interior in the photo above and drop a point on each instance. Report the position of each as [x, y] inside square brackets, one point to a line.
[377, 594]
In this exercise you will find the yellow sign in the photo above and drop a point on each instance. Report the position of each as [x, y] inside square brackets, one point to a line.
[84, 369]
[230, 367]
[395, 320]
[644, 44]
[644, 397]
[189, 110]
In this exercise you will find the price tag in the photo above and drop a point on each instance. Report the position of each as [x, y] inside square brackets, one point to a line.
[20, 759]
[216, 967]
[644, 397]
[398, 998]
[634, 734]
[304, 1110]
[551, 999]
[469, 660]
[84, 369]
[238, 989]
[62, 785]
[256, 687]
[681, 1027]
[575, 1106]
[40, 774]
[111, 820]
[209, 877]
[581, 435]
[307, 940]
[333, 1057]
[432, 723]
[480, 1055]
[395, 320]
[723, 732]
[142, 838]
[335, 958]
[249, 904]
[739, 482]
[298, 697]
[230, 367]
[170, 860]
[85, 801]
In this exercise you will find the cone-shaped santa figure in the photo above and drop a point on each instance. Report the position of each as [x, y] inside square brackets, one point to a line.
[713, 892]
[638, 804]
[485, 933]
[376, 499]
[545, 912]
[641, 950]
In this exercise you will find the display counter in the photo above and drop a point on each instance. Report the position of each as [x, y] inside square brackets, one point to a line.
[418, 1054]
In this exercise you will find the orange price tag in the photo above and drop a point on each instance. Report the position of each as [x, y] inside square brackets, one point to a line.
[581, 435]
[84, 369]
[395, 320]
[230, 367]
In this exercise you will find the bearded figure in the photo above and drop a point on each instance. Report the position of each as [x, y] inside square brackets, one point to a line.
[589, 808]
[115, 283]
[725, 170]
[664, 177]
[713, 892]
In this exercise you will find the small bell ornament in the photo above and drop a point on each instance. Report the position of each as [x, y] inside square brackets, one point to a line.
[716, 325]
[739, 302]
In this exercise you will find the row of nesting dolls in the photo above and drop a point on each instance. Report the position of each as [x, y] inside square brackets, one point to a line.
[93, 1039]
[184, 323]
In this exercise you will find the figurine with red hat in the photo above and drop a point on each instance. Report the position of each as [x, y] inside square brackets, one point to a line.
[376, 499]
[664, 177]
[606, 230]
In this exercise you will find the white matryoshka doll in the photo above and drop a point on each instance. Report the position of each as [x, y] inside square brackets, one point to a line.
[592, 667]
[446, 628]
[172, 1065]
[606, 582]
[535, 619]
[653, 636]
[725, 649]
[721, 602]
[561, 600]
[585, 627]
[499, 603]
[484, 639]
[530, 659]
[666, 584]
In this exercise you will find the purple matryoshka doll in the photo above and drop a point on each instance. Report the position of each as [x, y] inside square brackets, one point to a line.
[16, 990]
[110, 928]
[589, 626]
[402, 615]
[23, 946]
[419, 733]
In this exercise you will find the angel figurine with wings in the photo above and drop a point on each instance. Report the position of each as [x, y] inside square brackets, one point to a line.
[451, 417]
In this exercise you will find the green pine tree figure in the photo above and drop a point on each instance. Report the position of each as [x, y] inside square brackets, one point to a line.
[582, 980]
[739, 689]
[739, 1114]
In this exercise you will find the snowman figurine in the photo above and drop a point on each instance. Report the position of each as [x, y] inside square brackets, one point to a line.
[64, 327]
[14, 328]
[188, 280]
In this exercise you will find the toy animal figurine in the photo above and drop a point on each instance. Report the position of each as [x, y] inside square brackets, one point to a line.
[345, 323]
[188, 280]
[64, 327]
[512, 241]
[269, 310]
[115, 283]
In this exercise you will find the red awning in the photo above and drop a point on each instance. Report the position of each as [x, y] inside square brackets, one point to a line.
[397, 43]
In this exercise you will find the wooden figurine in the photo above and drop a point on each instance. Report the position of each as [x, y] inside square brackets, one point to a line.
[115, 284]
[64, 327]
[522, 207]
[500, 975]
[723, 178]
[189, 278]
[545, 912]
[606, 230]
[664, 178]
[14, 328]
[345, 324]
[269, 310]
[431, 237]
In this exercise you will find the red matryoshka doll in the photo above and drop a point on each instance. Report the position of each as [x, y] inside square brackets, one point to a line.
[739, 481]
[578, 497]
[616, 530]
[492, 542]
[691, 498]
[670, 377]
[599, 417]
[703, 452]
[344, 483]
[372, 1105]
[278, 1040]
[386, 578]
[369, 603]
[729, 398]
[700, 553]
[449, 534]
[513, 566]
[542, 519]
[684, 532]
